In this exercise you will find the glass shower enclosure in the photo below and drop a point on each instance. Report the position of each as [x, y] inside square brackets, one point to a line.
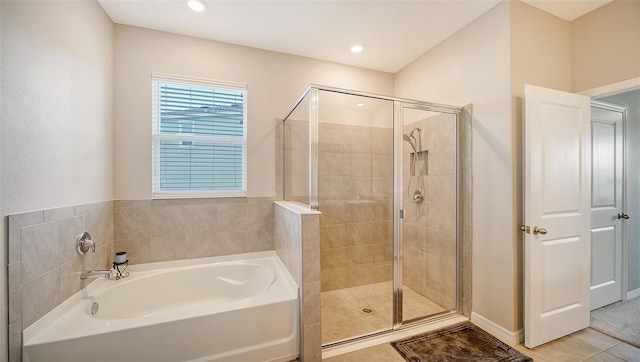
[384, 172]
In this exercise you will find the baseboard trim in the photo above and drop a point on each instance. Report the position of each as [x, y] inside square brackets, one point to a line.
[633, 294]
[497, 331]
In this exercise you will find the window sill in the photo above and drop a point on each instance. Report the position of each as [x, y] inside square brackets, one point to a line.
[195, 195]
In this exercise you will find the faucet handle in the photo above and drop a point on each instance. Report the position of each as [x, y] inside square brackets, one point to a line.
[84, 243]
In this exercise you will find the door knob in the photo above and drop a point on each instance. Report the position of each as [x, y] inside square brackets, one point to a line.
[622, 215]
[536, 230]
[541, 231]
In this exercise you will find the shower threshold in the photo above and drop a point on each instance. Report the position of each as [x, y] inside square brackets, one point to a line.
[413, 329]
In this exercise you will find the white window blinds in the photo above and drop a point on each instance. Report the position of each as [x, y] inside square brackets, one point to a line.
[199, 138]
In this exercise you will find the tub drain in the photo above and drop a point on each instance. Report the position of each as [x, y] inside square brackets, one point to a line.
[367, 310]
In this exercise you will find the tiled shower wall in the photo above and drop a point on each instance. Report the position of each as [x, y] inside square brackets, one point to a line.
[429, 228]
[44, 267]
[356, 195]
[296, 159]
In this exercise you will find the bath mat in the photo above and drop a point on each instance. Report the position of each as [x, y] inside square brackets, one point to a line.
[464, 342]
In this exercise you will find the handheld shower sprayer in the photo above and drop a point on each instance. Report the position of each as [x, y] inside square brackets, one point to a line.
[411, 141]
[418, 194]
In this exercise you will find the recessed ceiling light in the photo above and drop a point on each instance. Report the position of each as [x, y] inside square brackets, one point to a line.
[357, 48]
[197, 5]
[360, 104]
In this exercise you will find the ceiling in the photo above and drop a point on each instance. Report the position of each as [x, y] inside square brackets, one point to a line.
[394, 32]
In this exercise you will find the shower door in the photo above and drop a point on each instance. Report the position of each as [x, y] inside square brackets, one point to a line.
[426, 272]
[355, 167]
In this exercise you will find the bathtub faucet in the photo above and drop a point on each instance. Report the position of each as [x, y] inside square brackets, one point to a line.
[86, 274]
[83, 245]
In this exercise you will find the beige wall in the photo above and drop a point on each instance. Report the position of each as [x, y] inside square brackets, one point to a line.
[540, 49]
[56, 120]
[473, 66]
[275, 81]
[540, 55]
[605, 45]
[57, 92]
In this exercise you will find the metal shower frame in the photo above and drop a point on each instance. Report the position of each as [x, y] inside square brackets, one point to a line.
[399, 104]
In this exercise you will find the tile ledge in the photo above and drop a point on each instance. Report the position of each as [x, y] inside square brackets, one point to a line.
[297, 207]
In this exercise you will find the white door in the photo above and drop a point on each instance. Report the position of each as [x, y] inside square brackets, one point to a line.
[557, 214]
[606, 204]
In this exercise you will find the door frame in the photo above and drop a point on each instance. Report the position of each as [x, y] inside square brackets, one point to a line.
[609, 90]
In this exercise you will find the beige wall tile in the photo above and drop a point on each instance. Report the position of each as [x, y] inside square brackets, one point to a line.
[167, 247]
[200, 245]
[167, 220]
[260, 217]
[312, 346]
[311, 302]
[138, 250]
[94, 207]
[70, 281]
[230, 243]
[58, 214]
[97, 260]
[201, 219]
[100, 225]
[15, 291]
[132, 222]
[261, 240]
[16, 222]
[40, 249]
[69, 230]
[310, 227]
[311, 260]
[39, 296]
[232, 217]
[15, 341]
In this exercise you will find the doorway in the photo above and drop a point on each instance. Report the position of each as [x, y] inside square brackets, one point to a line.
[611, 313]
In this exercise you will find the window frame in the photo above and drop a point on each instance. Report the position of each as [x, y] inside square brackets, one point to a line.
[157, 137]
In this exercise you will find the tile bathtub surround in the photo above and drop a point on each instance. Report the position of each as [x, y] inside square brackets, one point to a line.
[161, 230]
[43, 265]
[297, 243]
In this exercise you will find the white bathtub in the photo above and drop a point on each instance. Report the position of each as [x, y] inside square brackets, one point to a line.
[232, 308]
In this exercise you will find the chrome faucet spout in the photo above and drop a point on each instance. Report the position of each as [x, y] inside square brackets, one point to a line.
[86, 274]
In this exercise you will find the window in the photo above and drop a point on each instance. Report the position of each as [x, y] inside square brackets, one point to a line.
[199, 138]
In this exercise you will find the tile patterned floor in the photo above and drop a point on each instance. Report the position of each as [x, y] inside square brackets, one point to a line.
[343, 316]
[587, 345]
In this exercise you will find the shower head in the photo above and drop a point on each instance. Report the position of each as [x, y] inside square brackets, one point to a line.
[411, 141]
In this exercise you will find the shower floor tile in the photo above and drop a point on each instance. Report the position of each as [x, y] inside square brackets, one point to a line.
[343, 316]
